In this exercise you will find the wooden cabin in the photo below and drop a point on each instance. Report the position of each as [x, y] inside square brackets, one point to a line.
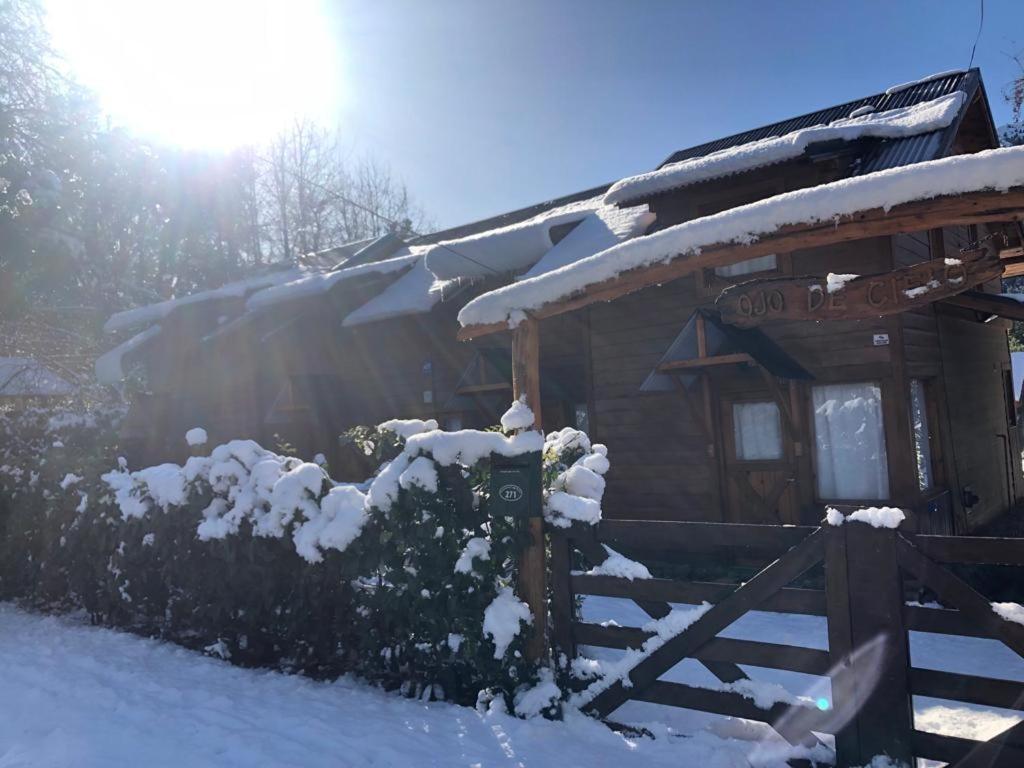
[707, 420]
[717, 399]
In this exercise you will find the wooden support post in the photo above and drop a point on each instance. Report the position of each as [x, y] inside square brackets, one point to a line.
[864, 591]
[532, 569]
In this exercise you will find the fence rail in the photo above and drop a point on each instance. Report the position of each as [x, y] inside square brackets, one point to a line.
[866, 575]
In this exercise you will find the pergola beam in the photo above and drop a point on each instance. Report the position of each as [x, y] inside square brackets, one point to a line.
[918, 216]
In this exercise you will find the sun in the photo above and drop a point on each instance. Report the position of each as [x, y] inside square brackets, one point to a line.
[210, 74]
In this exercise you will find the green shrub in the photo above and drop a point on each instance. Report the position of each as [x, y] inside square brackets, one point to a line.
[262, 559]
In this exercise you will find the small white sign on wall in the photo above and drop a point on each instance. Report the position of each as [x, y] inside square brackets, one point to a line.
[881, 339]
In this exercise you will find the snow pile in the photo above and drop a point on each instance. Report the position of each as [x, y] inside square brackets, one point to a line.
[619, 565]
[834, 282]
[406, 428]
[876, 517]
[533, 701]
[891, 124]
[997, 169]
[165, 707]
[576, 492]
[469, 446]
[503, 619]
[196, 436]
[1010, 611]
[663, 630]
[518, 416]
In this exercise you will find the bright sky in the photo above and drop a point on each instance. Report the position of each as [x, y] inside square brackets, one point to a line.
[484, 106]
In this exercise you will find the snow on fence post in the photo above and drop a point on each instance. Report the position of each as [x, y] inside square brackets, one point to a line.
[868, 644]
[532, 568]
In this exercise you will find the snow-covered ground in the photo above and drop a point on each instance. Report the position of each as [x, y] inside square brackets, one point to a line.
[75, 695]
[966, 655]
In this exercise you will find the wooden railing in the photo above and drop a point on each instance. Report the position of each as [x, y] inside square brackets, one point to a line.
[865, 575]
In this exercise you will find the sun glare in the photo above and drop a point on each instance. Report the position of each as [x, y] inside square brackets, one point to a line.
[201, 73]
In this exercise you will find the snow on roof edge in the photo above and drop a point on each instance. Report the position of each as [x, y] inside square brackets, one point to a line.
[927, 79]
[923, 117]
[320, 282]
[149, 313]
[109, 366]
[995, 169]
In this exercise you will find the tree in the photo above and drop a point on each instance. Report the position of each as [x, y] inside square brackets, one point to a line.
[315, 198]
[94, 220]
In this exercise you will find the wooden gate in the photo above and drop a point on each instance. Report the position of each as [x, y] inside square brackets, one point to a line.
[867, 661]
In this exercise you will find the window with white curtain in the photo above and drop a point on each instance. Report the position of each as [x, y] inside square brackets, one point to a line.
[757, 430]
[922, 434]
[760, 264]
[850, 442]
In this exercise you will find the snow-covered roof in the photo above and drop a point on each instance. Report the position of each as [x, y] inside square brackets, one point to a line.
[27, 377]
[997, 169]
[930, 78]
[894, 123]
[152, 313]
[415, 292]
[319, 283]
[110, 366]
[599, 230]
[507, 248]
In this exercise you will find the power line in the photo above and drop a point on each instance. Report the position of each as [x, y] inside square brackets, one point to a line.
[981, 23]
[377, 214]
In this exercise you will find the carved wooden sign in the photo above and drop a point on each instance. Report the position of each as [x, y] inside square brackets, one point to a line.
[852, 297]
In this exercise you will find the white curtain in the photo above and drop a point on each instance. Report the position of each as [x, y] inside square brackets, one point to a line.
[850, 442]
[760, 264]
[758, 431]
[922, 434]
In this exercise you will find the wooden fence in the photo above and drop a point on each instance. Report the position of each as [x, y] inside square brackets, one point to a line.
[866, 573]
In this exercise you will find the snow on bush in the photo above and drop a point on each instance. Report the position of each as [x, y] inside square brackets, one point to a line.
[575, 469]
[196, 437]
[406, 579]
[503, 618]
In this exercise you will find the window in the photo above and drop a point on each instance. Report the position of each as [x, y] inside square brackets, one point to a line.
[757, 431]
[581, 417]
[850, 442]
[922, 434]
[760, 264]
[1011, 398]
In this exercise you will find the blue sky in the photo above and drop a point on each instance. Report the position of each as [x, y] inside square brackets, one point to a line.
[483, 107]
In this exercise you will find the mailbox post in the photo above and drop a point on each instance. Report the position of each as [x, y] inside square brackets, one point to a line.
[516, 486]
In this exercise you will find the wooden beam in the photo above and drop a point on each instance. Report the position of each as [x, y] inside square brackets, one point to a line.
[917, 216]
[705, 362]
[988, 304]
[532, 569]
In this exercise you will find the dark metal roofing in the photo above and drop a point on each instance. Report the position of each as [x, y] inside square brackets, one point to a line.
[722, 339]
[878, 154]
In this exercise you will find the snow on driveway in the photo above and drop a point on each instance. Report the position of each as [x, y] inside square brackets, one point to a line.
[81, 696]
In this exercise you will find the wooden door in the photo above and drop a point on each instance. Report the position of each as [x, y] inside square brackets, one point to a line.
[758, 462]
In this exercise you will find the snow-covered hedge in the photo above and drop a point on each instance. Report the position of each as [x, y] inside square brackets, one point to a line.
[262, 559]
